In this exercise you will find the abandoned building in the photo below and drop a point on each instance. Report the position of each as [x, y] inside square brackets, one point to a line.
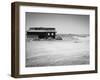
[41, 33]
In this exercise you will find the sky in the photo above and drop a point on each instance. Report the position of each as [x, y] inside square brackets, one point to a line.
[64, 23]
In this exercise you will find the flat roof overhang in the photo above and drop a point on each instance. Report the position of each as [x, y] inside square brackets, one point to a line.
[41, 31]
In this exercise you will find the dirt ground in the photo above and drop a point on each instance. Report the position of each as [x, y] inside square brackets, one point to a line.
[57, 52]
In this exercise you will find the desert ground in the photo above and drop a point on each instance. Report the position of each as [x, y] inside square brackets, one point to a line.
[73, 50]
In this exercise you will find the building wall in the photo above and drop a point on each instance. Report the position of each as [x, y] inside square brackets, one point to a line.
[40, 35]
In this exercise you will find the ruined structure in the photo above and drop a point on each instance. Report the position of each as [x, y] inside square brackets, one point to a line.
[41, 33]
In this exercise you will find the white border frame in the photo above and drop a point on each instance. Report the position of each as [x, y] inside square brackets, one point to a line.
[38, 70]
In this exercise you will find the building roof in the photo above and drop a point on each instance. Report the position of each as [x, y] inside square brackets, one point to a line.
[41, 29]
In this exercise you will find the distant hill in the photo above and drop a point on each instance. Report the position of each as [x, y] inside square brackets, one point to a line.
[72, 37]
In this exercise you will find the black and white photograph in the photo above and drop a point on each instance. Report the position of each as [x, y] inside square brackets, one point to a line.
[53, 39]
[57, 39]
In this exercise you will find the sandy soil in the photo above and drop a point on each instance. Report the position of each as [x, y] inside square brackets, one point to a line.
[57, 52]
